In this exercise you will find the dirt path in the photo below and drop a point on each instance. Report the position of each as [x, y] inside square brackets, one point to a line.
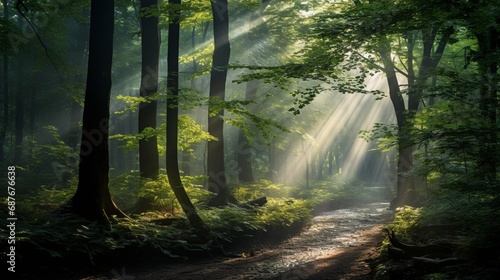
[335, 246]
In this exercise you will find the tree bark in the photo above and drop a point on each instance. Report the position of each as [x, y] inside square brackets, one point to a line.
[218, 75]
[148, 147]
[428, 65]
[172, 159]
[80, 54]
[489, 44]
[19, 110]
[405, 183]
[92, 199]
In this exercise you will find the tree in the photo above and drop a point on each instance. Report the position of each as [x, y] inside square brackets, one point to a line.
[244, 152]
[92, 199]
[79, 56]
[375, 36]
[148, 145]
[220, 60]
[19, 105]
[486, 29]
[172, 156]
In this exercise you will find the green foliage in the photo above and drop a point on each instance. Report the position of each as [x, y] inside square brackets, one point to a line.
[321, 192]
[162, 193]
[406, 219]
[386, 136]
[129, 190]
[475, 213]
[284, 212]
[52, 163]
[250, 191]
[56, 237]
[451, 133]
[242, 118]
[190, 133]
[228, 222]
[125, 189]
[469, 220]
[132, 103]
[203, 58]
[65, 237]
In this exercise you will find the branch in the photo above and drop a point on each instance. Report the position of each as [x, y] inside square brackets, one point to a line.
[441, 46]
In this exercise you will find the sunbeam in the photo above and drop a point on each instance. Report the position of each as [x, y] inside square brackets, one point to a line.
[351, 114]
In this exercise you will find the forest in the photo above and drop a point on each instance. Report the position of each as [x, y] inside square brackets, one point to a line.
[250, 139]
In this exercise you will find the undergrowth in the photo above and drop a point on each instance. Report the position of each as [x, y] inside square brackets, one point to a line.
[469, 221]
[64, 242]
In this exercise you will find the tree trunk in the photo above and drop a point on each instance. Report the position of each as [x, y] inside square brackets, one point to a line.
[31, 121]
[92, 199]
[80, 54]
[244, 153]
[215, 156]
[148, 147]
[428, 65]
[330, 161]
[19, 122]
[488, 42]
[74, 128]
[273, 163]
[405, 184]
[173, 174]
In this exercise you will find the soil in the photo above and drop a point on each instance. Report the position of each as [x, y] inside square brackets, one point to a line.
[313, 254]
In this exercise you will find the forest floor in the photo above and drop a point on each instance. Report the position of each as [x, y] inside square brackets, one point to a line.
[336, 245]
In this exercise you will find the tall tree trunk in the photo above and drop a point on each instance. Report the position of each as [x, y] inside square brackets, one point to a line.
[173, 174]
[79, 60]
[31, 121]
[19, 103]
[405, 184]
[5, 77]
[322, 158]
[273, 162]
[92, 199]
[80, 54]
[489, 45]
[218, 75]
[331, 156]
[148, 147]
[431, 57]
[244, 153]
[74, 128]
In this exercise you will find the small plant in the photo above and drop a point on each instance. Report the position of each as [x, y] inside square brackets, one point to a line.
[405, 221]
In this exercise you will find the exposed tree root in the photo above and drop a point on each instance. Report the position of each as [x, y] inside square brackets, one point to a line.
[430, 257]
